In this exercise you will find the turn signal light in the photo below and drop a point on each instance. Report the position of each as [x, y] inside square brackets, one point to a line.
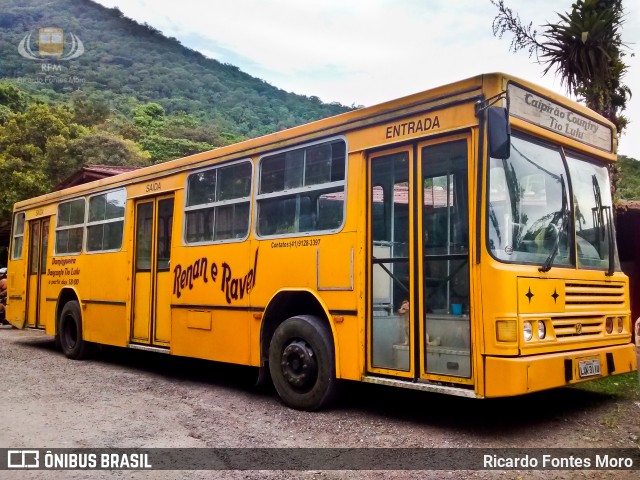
[507, 330]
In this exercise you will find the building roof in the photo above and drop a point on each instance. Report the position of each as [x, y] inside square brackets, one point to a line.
[624, 205]
[86, 174]
[90, 173]
[433, 196]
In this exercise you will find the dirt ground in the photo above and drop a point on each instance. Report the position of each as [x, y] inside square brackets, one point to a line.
[133, 399]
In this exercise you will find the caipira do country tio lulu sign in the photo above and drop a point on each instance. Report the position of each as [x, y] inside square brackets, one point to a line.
[550, 115]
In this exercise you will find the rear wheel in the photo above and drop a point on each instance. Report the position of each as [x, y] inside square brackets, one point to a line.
[302, 363]
[70, 333]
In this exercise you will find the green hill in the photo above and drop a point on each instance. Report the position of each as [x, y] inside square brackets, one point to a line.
[127, 63]
[133, 97]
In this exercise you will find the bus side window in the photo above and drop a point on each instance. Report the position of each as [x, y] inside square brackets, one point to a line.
[218, 203]
[497, 208]
[302, 190]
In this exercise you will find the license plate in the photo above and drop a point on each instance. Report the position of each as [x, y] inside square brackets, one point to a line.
[589, 368]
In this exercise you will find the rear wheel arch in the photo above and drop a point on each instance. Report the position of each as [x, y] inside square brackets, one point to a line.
[290, 303]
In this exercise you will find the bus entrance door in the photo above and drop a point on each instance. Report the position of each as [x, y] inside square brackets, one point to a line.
[443, 223]
[391, 331]
[419, 322]
[38, 247]
[152, 278]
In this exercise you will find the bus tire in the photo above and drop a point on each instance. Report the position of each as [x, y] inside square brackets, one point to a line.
[302, 363]
[71, 341]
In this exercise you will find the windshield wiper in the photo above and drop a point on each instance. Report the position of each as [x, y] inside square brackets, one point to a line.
[611, 242]
[564, 214]
[600, 212]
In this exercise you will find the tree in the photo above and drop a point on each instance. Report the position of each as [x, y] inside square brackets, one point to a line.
[107, 149]
[628, 187]
[163, 148]
[34, 152]
[169, 137]
[12, 98]
[584, 47]
[150, 118]
[89, 111]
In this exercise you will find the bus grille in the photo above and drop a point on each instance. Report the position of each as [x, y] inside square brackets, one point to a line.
[579, 296]
[586, 326]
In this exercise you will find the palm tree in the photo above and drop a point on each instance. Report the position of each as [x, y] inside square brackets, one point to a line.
[584, 47]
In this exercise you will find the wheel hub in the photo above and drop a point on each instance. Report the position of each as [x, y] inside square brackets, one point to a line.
[299, 365]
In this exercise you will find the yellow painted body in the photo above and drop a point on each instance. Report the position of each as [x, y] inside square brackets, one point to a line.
[211, 301]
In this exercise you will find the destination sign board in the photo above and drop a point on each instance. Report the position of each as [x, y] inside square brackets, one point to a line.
[548, 114]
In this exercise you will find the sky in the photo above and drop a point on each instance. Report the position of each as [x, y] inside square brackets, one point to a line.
[363, 52]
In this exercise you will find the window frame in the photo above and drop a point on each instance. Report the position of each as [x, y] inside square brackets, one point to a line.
[69, 227]
[293, 192]
[21, 235]
[582, 157]
[203, 206]
[88, 224]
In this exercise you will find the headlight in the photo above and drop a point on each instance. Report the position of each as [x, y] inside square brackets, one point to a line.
[609, 324]
[528, 331]
[620, 324]
[542, 330]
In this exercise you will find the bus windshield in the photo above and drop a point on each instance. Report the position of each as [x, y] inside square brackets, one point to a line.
[529, 209]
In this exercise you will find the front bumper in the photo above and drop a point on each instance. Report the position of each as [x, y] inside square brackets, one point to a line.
[508, 376]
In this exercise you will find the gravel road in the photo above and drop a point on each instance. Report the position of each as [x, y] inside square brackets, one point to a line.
[126, 398]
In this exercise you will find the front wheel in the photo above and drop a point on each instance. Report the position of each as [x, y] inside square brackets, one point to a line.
[302, 363]
[70, 333]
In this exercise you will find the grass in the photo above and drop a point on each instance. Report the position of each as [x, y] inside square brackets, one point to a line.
[626, 386]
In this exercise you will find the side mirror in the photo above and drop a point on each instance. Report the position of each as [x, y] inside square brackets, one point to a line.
[499, 132]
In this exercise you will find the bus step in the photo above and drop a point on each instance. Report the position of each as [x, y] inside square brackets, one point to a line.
[149, 348]
[427, 387]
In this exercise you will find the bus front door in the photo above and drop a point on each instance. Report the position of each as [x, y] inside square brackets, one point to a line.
[37, 274]
[151, 323]
[419, 321]
[443, 221]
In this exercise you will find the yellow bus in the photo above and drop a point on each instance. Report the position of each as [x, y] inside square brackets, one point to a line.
[459, 240]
